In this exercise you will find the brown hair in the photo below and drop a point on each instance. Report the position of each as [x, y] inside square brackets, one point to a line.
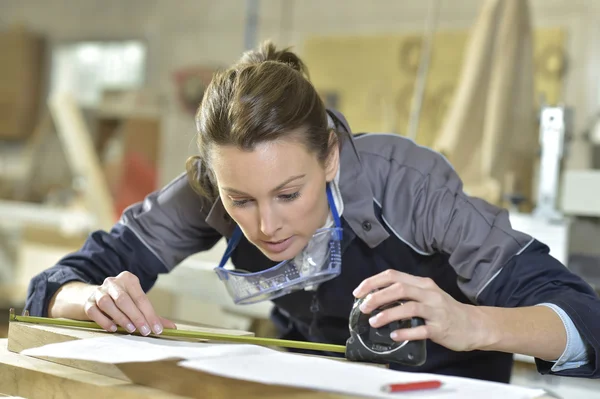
[263, 97]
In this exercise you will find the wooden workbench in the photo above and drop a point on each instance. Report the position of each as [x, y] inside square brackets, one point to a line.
[34, 378]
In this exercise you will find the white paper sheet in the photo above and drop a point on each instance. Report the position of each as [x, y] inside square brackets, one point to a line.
[348, 378]
[117, 349]
[267, 366]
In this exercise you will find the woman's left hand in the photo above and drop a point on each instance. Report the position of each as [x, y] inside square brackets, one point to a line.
[452, 324]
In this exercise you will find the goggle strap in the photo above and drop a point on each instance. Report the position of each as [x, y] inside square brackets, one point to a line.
[233, 242]
[334, 213]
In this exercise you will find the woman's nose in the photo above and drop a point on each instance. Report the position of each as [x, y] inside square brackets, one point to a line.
[270, 223]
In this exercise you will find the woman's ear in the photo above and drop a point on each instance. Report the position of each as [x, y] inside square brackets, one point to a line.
[333, 158]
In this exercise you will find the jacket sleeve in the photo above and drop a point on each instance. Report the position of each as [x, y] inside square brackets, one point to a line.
[151, 238]
[535, 277]
[495, 264]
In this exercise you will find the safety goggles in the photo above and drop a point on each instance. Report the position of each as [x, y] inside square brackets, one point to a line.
[319, 261]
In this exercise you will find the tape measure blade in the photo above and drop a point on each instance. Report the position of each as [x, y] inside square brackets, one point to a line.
[167, 332]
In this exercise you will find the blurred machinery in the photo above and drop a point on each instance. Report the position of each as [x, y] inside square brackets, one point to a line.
[580, 187]
[546, 223]
[578, 195]
[553, 126]
[566, 216]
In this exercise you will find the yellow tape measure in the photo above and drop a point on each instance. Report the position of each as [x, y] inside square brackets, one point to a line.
[168, 332]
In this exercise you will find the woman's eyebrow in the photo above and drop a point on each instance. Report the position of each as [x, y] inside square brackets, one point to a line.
[288, 181]
[280, 186]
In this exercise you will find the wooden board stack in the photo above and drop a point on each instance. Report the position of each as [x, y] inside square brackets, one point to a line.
[34, 378]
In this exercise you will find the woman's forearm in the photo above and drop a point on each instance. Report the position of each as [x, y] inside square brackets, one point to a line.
[535, 331]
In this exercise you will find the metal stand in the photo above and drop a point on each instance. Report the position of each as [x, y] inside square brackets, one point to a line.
[553, 122]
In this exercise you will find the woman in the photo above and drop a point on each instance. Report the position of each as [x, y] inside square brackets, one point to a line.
[281, 177]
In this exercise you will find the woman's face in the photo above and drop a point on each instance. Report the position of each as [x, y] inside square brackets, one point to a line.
[275, 193]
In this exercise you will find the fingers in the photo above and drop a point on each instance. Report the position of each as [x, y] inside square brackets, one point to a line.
[105, 300]
[390, 294]
[125, 303]
[411, 334]
[141, 301]
[167, 323]
[121, 300]
[405, 311]
[93, 313]
[388, 278]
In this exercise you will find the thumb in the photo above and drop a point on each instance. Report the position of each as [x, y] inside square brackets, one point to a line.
[167, 323]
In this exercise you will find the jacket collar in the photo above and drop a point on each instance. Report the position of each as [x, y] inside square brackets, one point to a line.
[357, 194]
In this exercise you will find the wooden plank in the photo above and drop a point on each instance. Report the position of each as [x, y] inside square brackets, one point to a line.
[164, 375]
[38, 379]
[196, 384]
[35, 378]
[23, 336]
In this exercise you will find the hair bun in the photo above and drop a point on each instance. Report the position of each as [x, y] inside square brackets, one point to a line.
[267, 51]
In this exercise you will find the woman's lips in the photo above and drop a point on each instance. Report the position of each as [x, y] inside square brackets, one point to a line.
[277, 246]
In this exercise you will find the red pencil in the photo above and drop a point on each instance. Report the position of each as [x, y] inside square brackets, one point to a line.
[412, 386]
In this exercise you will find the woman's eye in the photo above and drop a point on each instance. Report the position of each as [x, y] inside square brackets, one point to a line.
[282, 197]
[239, 203]
[289, 197]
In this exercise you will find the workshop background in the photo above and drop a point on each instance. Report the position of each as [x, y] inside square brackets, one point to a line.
[97, 101]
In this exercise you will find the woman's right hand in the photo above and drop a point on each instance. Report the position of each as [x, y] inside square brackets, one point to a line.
[121, 300]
